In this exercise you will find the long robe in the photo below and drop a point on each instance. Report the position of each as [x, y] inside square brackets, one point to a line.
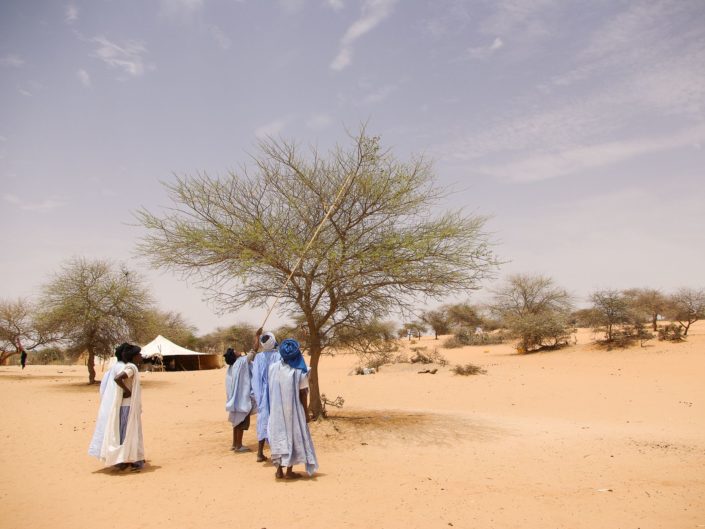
[109, 390]
[131, 450]
[260, 388]
[289, 437]
[237, 391]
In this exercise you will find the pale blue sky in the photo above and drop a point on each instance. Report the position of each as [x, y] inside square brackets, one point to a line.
[579, 126]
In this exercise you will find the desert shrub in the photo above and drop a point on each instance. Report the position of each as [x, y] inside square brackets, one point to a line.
[627, 336]
[671, 333]
[422, 357]
[468, 369]
[464, 336]
[543, 330]
[51, 356]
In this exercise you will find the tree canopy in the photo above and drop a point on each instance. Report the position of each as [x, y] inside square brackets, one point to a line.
[383, 247]
[94, 306]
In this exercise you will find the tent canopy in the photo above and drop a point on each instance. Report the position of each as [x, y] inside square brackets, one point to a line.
[162, 346]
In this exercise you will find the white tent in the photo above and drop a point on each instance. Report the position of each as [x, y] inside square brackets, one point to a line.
[177, 358]
[162, 346]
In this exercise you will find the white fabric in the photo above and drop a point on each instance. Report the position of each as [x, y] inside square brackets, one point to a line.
[260, 388]
[289, 437]
[132, 448]
[271, 342]
[109, 390]
[162, 346]
[128, 383]
[237, 391]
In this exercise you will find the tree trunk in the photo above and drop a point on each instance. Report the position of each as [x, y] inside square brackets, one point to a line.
[315, 405]
[5, 356]
[653, 322]
[91, 366]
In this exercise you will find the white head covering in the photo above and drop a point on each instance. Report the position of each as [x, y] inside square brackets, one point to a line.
[268, 341]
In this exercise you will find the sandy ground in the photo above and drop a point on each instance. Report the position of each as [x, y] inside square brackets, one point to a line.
[579, 438]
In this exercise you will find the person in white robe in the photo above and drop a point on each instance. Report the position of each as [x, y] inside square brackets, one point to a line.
[260, 385]
[238, 401]
[289, 436]
[108, 393]
[123, 444]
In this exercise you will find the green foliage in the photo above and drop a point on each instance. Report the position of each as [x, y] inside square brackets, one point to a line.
[94, 306]
[239, 336]
[671, 333]
[381, 248]
[535, 311]
[463, 337]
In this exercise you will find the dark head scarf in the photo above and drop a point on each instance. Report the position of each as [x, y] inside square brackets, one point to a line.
[291, 354]
[230, 356]
[129, 351]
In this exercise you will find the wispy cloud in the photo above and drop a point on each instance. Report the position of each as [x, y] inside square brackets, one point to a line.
[373, 12]
[220, 37]
[44, 205]
[644, 64]
[578, 159]
[84, 77]
[484, 52]
[127, 57]
[71, 14]
[272, 128]
[12, 60]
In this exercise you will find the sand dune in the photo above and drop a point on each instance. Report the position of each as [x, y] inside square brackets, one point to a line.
[579, 438]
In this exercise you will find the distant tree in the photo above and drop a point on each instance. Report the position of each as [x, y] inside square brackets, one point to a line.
[585, 317]
[94, 306]
[649, 302]
[438, 321]
[413, 328]
[535, 310]
[239, 336]
[686, 307]
[171, 325]
[381, 248]
[19, 326]
[611, 309]
[462, 315]
[373, 343]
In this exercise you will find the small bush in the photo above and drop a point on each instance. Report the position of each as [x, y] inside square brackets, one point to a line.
[421, 357]
[626, 336]
[464, 336]
[671, 333]
[468, 369]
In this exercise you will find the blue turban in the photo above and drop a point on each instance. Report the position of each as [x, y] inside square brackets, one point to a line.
[291, 354]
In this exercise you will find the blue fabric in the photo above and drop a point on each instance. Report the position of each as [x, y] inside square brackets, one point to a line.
[290, 439]
[260, 388]
[291, 354]
[237, 391]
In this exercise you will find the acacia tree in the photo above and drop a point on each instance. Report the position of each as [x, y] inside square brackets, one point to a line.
[611, 309]
[649, 302]
[171, 325]
[534, 309]
[381, 249]
[438, 321]
[20, 326]
[94, 307]
[687, 306]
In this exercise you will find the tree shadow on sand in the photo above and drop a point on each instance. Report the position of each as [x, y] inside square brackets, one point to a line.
[347, 428]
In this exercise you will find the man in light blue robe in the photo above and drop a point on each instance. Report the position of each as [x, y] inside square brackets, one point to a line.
[289, 436]
[238, 402]
[108, 394]
[260, 385]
